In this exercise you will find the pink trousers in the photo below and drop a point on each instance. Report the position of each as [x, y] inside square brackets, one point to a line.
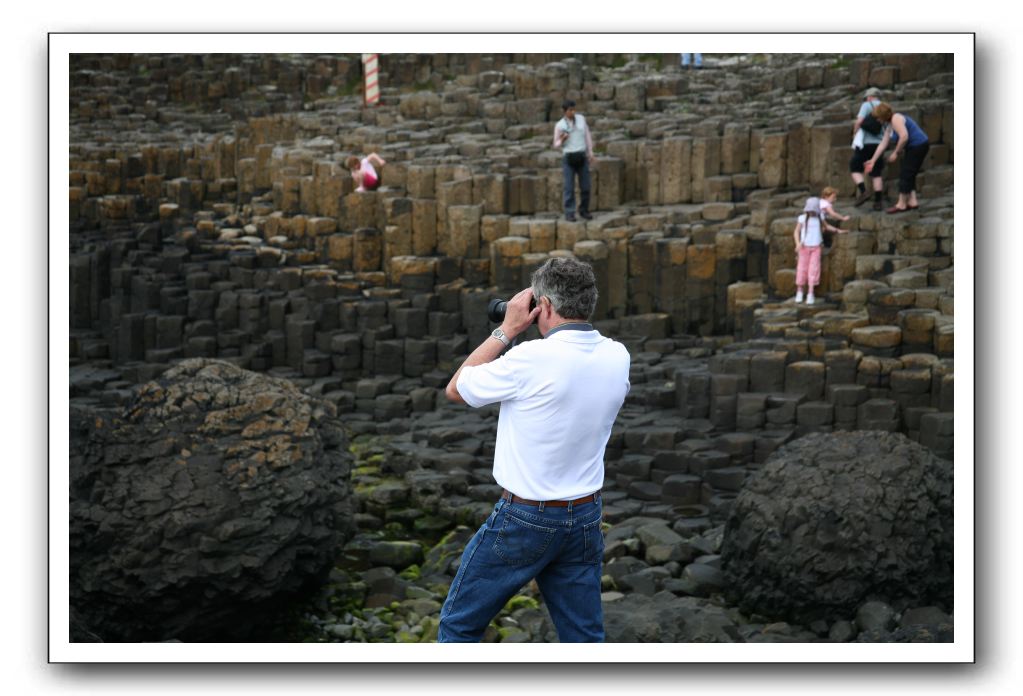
[808, 267]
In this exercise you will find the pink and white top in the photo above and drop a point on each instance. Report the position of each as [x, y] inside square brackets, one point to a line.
[370, 180]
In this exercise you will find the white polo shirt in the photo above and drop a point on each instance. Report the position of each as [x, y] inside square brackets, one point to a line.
[559, 398]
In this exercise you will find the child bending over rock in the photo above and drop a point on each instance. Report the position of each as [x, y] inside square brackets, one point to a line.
[364, 171]
[828, 197]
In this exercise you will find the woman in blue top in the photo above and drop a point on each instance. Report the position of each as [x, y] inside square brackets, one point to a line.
[910, 137]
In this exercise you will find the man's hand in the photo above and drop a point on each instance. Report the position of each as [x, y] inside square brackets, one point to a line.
[518, 316]
[892, 157]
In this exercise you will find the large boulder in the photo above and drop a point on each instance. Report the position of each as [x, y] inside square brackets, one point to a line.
[833, 520]
[215, 498]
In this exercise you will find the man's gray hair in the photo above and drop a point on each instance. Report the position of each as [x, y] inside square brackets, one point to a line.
[570, 286]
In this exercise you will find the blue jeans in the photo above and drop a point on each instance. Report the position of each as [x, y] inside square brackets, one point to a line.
[568, 174]
[562, 547]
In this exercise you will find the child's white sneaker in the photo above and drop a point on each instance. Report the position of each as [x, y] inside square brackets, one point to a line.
[809, 298]
[799, 296]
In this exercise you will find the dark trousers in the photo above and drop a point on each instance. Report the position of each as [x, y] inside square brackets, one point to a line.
[572, 165]
[912, 160]
[561, 547]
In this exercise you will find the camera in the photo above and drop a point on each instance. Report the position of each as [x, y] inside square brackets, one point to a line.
[498, 308]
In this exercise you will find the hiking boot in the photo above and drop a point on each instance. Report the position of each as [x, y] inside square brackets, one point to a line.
[570, 217]
[585, 216]
[863, 197]
[878, 205]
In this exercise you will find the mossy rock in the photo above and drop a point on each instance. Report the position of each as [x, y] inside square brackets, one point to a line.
[431, 525]
[385, 491]
[412, 572]
[439, 557]
[363, 446]
[512, 634]
[521, 602]
[396, 554]
[430, 626]
[395, 531]
[366, 470]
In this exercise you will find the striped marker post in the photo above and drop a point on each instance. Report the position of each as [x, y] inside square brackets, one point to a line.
[369, 68]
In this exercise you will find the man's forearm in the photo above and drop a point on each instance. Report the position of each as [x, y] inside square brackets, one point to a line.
[519, 315]
[488, 351]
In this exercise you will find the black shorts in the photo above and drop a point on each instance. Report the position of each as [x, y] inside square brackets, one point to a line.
[860, 158]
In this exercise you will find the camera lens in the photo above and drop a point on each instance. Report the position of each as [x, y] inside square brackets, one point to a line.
[496, 310]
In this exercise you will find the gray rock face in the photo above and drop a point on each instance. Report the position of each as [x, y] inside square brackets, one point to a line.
[875, 616]
[834, 520]
[216, 492]
[942, 633]
[665, 618]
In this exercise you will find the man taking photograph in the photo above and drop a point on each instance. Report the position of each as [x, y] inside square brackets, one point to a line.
[559, 398]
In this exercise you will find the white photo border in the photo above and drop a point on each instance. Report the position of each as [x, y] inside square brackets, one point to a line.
[62, 45]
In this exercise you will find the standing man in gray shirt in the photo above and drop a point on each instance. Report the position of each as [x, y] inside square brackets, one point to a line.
[572, 136]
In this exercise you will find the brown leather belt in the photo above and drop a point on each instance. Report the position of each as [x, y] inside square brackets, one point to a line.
[507, 495]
